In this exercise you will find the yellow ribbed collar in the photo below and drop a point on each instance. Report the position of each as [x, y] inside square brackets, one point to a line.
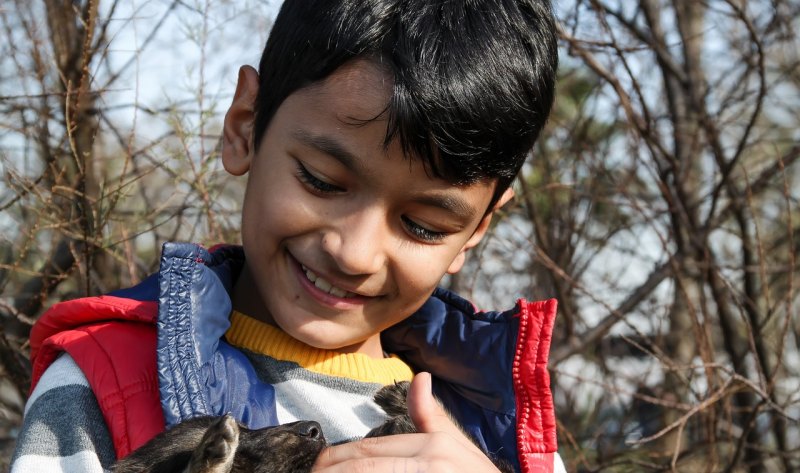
[259, 337]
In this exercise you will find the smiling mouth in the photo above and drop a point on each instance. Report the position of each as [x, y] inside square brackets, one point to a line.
[325, 286]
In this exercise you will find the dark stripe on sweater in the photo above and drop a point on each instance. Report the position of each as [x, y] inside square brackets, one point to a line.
[64, 421]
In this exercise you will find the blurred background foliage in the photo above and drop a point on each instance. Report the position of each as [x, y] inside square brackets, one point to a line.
[659, 208]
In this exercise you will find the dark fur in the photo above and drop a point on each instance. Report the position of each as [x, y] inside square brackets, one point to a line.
[221, 445]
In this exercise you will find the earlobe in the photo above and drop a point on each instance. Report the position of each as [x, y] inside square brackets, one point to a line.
[237, 131]
[458, 262]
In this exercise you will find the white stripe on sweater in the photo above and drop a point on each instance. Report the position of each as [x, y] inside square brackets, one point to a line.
[85, 462]
[63, 372]
[342, 415]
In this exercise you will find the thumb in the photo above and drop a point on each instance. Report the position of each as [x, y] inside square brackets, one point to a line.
[426, 412]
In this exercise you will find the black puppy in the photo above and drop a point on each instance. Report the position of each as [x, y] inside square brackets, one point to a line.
[222, 445]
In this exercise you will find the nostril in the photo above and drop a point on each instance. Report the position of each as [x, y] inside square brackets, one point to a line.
[309, 429]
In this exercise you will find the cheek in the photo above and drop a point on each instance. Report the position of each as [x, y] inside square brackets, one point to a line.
[422, 271]
[274, 208]
[257, 217]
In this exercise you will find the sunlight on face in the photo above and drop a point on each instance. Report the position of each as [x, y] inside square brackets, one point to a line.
[343, 236]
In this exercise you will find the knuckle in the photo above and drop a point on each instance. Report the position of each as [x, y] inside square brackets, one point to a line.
[369, 445]
[364, 465]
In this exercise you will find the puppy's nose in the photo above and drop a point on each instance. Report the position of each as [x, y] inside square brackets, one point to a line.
[309, 429]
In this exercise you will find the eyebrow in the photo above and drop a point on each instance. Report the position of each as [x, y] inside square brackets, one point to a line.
[453, 204]
[330, 147]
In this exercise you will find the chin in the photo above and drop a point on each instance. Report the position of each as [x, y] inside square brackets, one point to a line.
[323, 340]
[319, 337]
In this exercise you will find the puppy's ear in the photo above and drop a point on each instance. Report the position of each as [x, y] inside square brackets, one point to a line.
[393, 398]
[217, 448]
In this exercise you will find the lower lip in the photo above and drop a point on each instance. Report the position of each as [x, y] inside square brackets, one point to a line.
[323, 297]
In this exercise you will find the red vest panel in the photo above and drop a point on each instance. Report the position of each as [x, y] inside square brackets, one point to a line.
[113, 341]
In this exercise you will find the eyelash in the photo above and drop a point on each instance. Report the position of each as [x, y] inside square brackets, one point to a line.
[316, 183]
[422, 233]
[415, 229]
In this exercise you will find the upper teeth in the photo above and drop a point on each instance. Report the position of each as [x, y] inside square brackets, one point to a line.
[325, 286]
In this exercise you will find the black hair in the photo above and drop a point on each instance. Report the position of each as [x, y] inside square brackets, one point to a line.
[473, 79]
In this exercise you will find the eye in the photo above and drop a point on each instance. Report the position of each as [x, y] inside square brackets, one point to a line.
[421, 233]
[317, 184]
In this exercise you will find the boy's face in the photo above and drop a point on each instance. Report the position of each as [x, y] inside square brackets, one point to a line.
[343, 238]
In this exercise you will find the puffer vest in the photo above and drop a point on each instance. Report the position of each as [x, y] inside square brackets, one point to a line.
[154, 356]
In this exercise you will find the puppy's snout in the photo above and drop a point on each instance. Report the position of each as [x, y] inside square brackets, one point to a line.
[309, 429]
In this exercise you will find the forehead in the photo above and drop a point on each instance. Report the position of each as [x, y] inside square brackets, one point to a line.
[360, 90]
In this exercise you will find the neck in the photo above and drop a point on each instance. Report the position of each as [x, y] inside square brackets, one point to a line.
[247, 300]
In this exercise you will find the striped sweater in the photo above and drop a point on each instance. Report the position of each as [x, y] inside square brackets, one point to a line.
[64, 429]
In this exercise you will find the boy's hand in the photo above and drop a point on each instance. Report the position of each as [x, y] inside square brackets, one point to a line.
[439, 447]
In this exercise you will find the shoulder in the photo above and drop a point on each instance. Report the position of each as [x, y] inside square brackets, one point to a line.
[62, 377]
[63, 428]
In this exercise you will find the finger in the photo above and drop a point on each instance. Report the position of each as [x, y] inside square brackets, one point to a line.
[376, 465]
[405, 445]
[426, 412]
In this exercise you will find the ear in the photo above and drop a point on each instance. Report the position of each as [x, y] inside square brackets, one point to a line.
[237, 131]
[479, 232]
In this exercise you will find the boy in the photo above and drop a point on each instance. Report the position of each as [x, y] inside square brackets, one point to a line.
[379, 137]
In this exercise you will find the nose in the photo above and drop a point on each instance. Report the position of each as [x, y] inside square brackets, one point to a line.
[308, 429]
[356, 242]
